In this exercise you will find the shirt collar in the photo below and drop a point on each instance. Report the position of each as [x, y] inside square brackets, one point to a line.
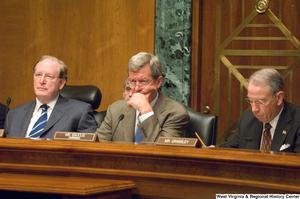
[154, 101]
[274, 122]
[50, 104]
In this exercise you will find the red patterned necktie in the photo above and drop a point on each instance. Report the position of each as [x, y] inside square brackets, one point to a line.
[267, 140]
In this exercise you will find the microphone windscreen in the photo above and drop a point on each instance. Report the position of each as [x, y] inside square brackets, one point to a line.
[8, 101]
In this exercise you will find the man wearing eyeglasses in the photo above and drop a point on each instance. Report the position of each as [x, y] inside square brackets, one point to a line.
[148, 114]
[50, 112]
[273, 124]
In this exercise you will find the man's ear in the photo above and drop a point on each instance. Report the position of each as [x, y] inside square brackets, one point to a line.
[62, 83]
[280, 97]
[159, 81]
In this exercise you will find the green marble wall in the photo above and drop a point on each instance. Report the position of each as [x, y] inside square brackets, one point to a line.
[173, 46]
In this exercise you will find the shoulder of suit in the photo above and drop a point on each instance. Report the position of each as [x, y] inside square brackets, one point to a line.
[2, 107]
[26, 105]
[247, 114]
[72, 101]
[292, 109]
[173, 104]
[120, 104]
[290, 105]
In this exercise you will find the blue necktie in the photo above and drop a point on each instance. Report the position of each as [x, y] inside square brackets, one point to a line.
[40, 123]
[138, 135]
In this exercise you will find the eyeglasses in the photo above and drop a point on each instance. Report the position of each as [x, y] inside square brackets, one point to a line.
[47, 77]
[258, 102]
[141, 83]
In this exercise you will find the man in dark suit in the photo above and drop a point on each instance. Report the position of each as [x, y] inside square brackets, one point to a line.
[63, 114]
[269, 111]
[148, 113]
[2, 115]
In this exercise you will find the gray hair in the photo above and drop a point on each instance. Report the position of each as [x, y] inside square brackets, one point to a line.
[63, 70]
[141, 59]
[125, 82]
[270, 77]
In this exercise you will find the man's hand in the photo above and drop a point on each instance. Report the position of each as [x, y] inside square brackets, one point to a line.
[140, 102]
[212, 146]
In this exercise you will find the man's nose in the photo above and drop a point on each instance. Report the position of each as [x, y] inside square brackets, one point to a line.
[133, 90]
[255, 107]
[42, 79]
[137, 88]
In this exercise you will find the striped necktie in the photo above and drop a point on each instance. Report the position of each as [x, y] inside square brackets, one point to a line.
[40, 124]
[267, 140]
[138, 134]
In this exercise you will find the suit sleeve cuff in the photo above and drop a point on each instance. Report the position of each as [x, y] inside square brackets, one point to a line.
[145, 116]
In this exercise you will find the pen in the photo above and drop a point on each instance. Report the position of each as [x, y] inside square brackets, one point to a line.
[200, 139]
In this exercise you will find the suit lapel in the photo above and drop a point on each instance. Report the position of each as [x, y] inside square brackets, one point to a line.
[159, 106]
[256, 131]
[128, 124]
[282, 128]
[27, 115]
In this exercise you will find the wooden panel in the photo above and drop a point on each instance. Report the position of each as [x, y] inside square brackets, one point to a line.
[94, 38]
[235, 41]
[157, 171]
[203, 52]
[67, 186]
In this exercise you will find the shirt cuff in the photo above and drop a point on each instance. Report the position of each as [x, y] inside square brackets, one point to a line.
[145, 116]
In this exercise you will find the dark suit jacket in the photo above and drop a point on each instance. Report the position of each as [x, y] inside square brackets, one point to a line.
[249, 131]
[169, 120]
[2, 115]
[68, 115]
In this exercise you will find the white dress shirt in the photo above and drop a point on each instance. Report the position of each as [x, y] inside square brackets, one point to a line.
[37, 113]
[273, 123]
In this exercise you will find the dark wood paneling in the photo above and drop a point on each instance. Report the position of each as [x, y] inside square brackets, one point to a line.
[95, 39]
[203, 51]
[232, 104]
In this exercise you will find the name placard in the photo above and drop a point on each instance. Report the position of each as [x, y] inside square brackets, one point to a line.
[2, 133]
[74, 136]
[172, 141]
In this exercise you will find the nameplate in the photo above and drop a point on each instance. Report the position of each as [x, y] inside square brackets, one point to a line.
[172, 141]
[2, 133]
[74, 136]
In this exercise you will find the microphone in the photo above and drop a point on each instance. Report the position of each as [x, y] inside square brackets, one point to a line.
[6, 111]
[120, 118]
[7, 104]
